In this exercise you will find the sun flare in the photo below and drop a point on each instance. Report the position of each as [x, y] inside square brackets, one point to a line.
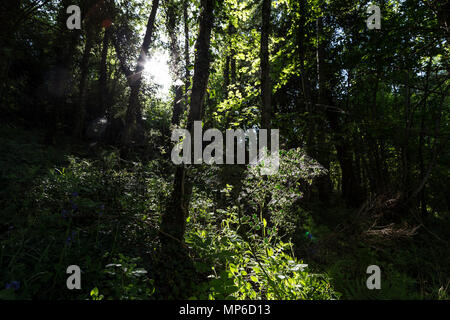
[156, 69]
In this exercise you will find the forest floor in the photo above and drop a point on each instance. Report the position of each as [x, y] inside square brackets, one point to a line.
[65, 205]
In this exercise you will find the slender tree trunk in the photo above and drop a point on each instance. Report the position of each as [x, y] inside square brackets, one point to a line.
[61, 74]
[103, 88]
[229, 72]
[134, 108]
[92, 15]
[436, 150]
[175, 61]
[405, 146]
[226, 75]
[301, 53]
[187, 62]
[266, 87]
[376, 166]
[81, 108]
[232, 31]
[422, 195]
[120, 55]
[174, 218]
[10, 8]
[322, 147]
[305, 101]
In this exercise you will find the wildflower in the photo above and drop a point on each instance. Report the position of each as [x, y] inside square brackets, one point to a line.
[64, 213]
[102, 207]
[71, 237]
[13, 285]
[75, 194]
[74, 207]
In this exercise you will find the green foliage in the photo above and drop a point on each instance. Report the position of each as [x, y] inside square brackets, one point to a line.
[252, 267]
[242, 254]
[124, 281]
[279, 193]
[83, 213]
[367, 105]
[350, 278]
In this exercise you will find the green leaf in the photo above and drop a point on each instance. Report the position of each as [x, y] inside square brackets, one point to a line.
[94, 292]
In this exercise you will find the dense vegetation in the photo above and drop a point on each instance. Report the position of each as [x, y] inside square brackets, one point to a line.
[86, 176]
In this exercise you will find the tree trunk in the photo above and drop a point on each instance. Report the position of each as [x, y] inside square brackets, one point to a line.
[226, 75]
[61, 74]
[175, 61]
[322, 147]
[174, 218]
[266, 88]
[301, 53]
[423, 200]
[103, 88]
[405, 146]
[81, 108]
[232, 31]
[187, 63]
[134, 108]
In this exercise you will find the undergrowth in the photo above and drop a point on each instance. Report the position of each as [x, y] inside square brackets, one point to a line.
[246, 238]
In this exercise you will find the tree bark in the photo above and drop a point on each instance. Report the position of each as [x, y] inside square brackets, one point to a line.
[103, 88]
[187, 63]
[175, 61]
[423, 201]
[322, 147]
[174, 219]
[61, 74]
[229, 72]
[134, 108]
[232, 31]
[301, 53]
[266, 88]
[81, 110]
[120, 55]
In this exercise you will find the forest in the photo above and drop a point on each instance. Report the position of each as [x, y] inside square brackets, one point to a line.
[318, 131]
